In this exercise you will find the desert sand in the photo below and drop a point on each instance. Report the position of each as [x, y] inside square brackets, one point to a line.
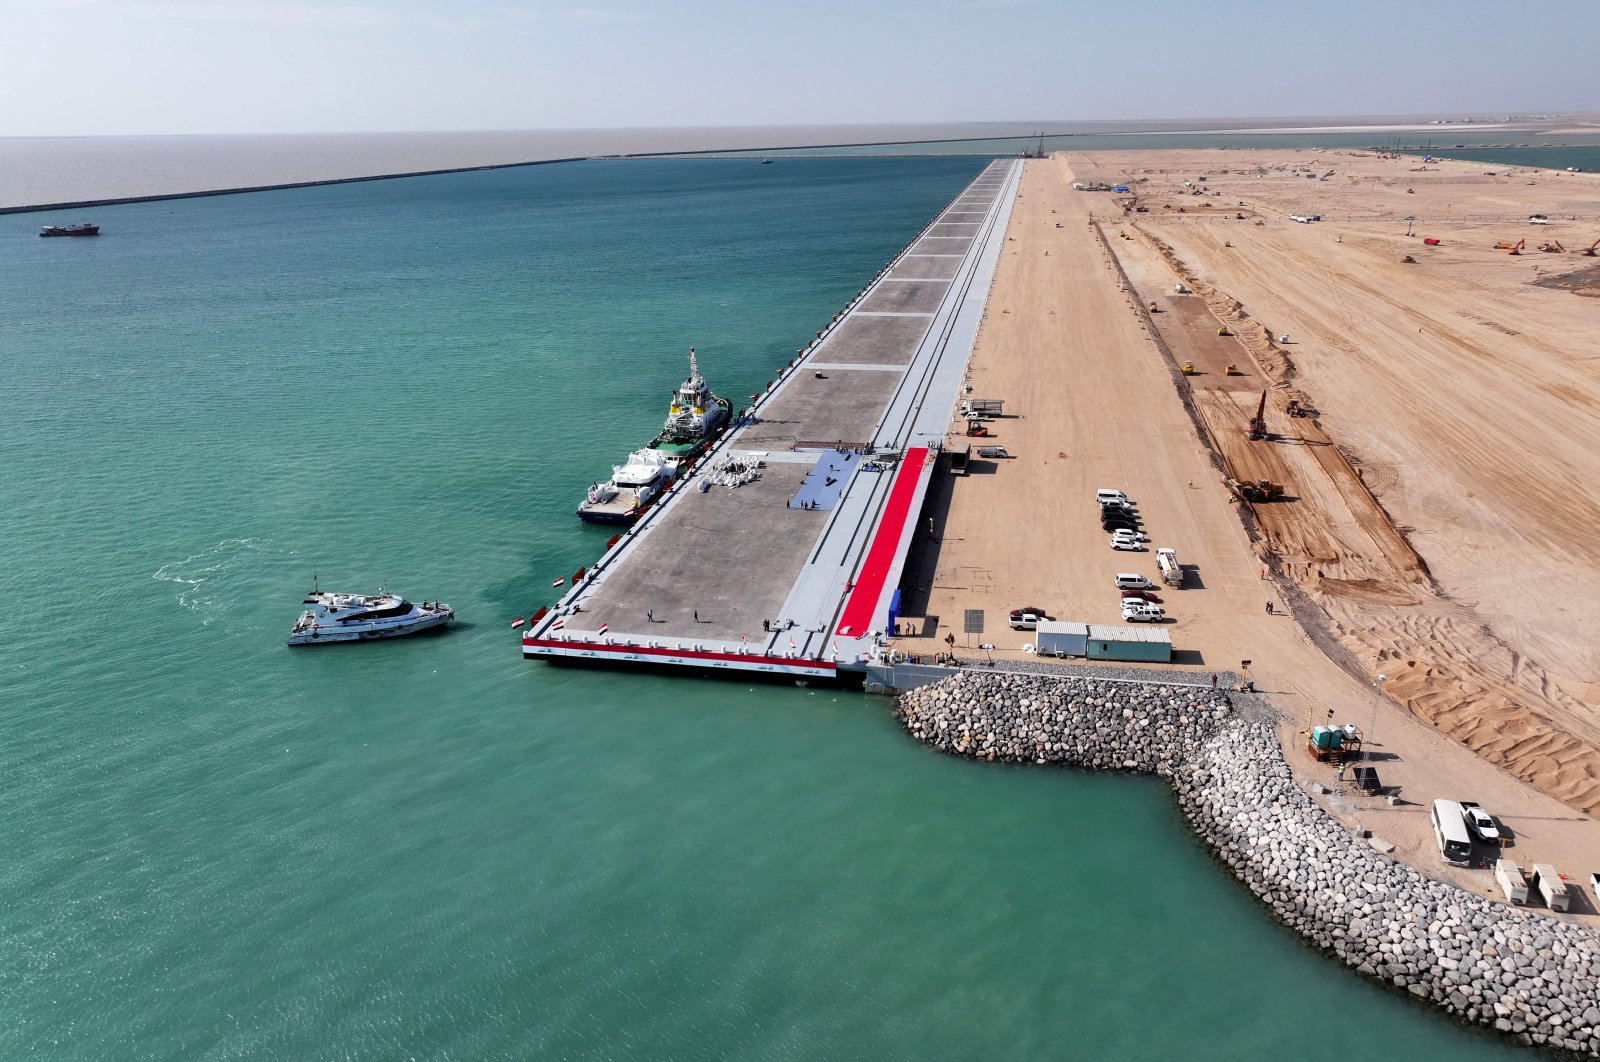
[1439, 523]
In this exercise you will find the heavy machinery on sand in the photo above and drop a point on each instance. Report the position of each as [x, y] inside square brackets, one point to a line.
[1258, 423]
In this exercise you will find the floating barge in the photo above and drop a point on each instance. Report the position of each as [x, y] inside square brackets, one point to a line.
[795, 573]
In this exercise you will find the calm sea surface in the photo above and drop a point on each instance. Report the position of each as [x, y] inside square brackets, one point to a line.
[215, 847]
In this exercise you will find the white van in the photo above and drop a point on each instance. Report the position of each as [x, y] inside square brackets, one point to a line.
[1104, 495]
[1131, 581]
[1450, 831]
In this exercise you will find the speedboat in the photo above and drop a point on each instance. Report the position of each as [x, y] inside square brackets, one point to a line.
[334, 617]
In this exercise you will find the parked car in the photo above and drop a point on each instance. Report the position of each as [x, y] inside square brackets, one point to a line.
[1137, 536]
[1148, 615]
[1118, 525]
[992, 451]
[1126, 545]
[1141, 595]
[1026, 619]
[1480, 822]
[1133, 581]
[1126, 507]
[1105, 494]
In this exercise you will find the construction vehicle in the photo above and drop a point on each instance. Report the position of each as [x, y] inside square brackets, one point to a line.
[1187, 368]
[1154, 308]
[1408, 260]
[1591, 250]
[1552, 247]
[1258, 423]
[1232, 370]
[1518, 248]
[1503, 245]
[1167, 562]
[1430, 241]
[1297, 409]
[1261, 490]
[1223, 331]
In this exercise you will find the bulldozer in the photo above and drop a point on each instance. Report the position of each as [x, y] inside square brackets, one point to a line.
[1408, 260]
[1261, 490]
[1297, 409]
[1232, 370]
[1258, 423]
[1187, 368]
[1222, 330]
[1503, 245]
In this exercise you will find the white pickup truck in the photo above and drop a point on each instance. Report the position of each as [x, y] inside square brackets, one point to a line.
[1480, 822]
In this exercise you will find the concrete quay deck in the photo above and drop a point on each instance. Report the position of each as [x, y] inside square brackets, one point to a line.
[792, 574]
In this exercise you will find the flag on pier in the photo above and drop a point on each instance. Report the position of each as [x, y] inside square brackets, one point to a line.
[519, 621]
[557, 623]
[603, 628]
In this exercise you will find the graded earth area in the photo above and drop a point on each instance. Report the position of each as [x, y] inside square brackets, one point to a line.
[1095, 398]
[1440, 514]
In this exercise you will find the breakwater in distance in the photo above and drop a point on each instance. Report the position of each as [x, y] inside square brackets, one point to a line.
[1529, 977]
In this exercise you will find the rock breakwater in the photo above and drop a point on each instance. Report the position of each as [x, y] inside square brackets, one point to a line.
[1529, 976]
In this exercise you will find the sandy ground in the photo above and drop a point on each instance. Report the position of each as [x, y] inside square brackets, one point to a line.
[1462, 395]
[1093, 402]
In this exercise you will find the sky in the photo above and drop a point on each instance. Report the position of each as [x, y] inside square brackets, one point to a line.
[86, 67]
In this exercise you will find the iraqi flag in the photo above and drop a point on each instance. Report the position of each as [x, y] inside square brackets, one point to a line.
[557, 623]
[559, 582]
[603, 628]
[519, 621]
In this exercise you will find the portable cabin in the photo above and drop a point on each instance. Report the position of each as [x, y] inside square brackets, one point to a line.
[1550, 886]
[1513, 882]
[1062, 638]
[1142, 644]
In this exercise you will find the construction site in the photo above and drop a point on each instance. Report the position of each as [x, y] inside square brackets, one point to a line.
[1375, 470]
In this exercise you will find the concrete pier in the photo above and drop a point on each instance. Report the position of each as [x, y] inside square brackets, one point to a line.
[794, 573]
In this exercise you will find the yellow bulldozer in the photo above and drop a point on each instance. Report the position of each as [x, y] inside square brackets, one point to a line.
[1188, 368]
[1261, 490]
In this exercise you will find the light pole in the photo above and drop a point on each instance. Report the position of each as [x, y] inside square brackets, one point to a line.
[1377, 688]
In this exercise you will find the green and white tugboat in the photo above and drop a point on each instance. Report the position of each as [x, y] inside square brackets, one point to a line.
[695, 418]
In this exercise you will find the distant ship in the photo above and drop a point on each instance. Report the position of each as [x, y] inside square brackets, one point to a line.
[85, 229]
[633, 486]
[363, 617]
[766, 162]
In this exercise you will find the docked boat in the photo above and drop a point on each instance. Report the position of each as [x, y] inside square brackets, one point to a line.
[85, 229]
[334, 617]
[633, 486]
[694, 418]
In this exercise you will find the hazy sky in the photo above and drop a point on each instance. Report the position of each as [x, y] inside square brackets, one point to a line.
[197, 66]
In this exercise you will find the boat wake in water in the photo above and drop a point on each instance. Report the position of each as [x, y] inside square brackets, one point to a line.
[200, 576]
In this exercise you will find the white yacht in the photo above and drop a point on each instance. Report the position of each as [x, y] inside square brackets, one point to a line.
[631, 489]
[334, 617]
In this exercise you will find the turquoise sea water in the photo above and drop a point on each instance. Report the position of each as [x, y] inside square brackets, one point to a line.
[218, 848]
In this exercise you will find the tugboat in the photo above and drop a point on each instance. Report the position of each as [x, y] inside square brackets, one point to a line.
[694, 419]
[631, 489]
[85, 229]
[363, 617]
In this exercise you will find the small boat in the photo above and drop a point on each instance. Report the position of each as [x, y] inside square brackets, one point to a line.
[633, 486]
[362, 617]
[85, 229]
[695, 417]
